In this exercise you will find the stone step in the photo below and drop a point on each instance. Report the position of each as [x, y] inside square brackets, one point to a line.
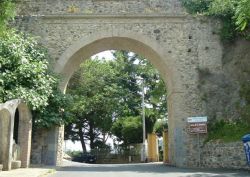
[1, 167]
[16, 164]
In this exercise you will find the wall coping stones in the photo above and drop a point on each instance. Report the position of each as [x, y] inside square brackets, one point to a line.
[79, 16]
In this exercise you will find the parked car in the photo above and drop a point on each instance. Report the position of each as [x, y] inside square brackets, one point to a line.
[85, 158]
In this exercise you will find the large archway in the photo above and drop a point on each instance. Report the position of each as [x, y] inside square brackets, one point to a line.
[177, 44]
[150, 49]
[83, 49]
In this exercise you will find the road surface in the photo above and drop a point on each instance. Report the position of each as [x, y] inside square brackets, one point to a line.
[139, 170]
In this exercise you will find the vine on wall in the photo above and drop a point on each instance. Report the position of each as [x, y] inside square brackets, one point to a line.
[234, 14]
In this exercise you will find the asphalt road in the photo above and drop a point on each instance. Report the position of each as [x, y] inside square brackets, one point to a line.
[139, 170]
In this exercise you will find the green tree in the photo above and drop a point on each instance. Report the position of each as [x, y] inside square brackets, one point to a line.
[108, 94]
[24, 70]
[132, 70]
[95, 102]
[159, 126]
[25, 73]
[57, 111]
[128, 130]
[7, 12]
[235, 14]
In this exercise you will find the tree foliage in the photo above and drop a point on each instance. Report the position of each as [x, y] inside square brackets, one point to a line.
[95, 98]
[57, 111]
[25, 73]
[107, 99]
[7, 12]
[128, 129]
[159, 126]
[133, 72]
[235, 14]
[24, 70]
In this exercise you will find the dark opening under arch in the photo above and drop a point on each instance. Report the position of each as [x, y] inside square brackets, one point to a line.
[16, 126]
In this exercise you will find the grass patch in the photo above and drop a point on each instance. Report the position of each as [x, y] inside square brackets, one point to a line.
[227, 131]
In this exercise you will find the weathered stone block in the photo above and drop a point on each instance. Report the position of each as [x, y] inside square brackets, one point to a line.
[16, 164]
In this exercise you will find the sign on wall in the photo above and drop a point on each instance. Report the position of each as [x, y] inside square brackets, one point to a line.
[195, 128]
[197, 125]
[196, 119]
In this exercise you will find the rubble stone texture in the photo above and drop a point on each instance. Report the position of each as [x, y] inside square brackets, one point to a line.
[178, 45]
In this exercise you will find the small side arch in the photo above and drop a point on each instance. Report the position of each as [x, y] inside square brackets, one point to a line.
[5, 137]
[24, 131]
[7, 121]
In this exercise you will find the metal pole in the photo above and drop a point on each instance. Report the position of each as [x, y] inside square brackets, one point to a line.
[143, 125]
[199, 151]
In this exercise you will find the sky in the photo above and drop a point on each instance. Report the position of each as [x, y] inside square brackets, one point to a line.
[106, 54]
[76, 146]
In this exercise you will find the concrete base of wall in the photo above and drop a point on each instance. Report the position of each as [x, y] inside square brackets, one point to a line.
[1, 167]
[15, 164]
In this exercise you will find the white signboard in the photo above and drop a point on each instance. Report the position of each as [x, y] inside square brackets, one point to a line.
[196, 119]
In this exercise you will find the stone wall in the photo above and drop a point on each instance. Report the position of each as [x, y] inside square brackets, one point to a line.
[186, 50]
[38, 153]
[226, 83]
[216, 154]
[176, 44]
[60, 142]
[49, 7]
[203, 76]
[45, 144]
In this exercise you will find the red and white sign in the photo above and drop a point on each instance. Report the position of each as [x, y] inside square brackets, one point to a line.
[199, 127]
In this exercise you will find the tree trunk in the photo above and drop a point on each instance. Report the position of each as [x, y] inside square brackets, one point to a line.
[91, 135]
[80, 133]
[103, 137]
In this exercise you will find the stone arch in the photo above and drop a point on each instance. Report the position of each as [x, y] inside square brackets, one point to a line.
[84, 48]
[5, 136]
[24, 131]
[92, 44]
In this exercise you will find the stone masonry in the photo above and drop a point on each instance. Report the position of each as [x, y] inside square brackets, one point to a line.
[44, 149]
[7, 121]
[177, 44]
[216, 154]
